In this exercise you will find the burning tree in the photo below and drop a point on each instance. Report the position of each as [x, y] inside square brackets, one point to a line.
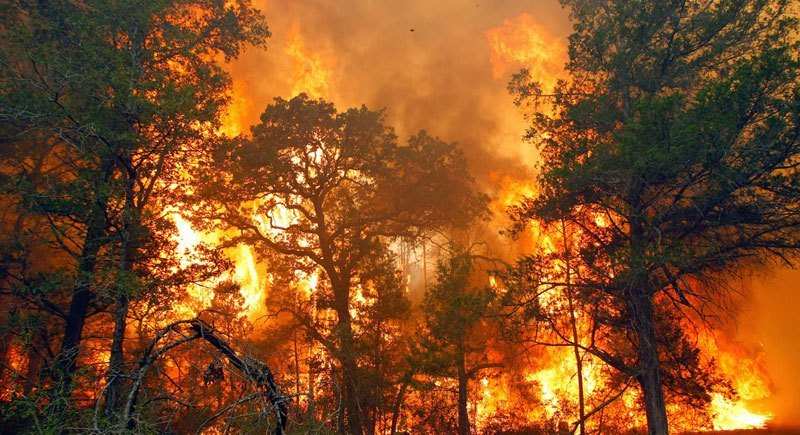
[100, 103]
[673, 150]
[456, 310]
[326, 191]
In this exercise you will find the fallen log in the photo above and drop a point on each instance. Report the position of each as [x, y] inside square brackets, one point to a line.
[189, 330]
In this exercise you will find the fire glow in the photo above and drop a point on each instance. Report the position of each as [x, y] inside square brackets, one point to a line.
[542, 381]
[517, 43]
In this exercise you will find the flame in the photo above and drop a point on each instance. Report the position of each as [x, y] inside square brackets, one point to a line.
[749, 381]
[252, 285]
[555, 380]
[518, 42]
[188, 241]
[492, 398]
[522, 42]
[234, 119]
[311, 74]
[246, 274]
[731, 415]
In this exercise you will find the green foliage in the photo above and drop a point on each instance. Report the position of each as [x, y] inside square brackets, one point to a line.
[103, 102]
[454, 305]
[456, 311]
[673, 148]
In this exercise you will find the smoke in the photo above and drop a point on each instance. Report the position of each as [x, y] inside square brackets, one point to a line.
[431, 65]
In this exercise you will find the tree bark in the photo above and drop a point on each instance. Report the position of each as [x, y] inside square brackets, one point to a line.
[649, 367]
[116, 361]
[640, 304]
[398, 403]
[33, 373]
[349, 371]
[128, 248]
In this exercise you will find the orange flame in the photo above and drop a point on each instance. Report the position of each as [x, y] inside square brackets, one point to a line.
[311, 74]
[252, 284]
[523, 43]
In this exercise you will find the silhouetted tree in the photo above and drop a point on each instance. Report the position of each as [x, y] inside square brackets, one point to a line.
[101, 101]
[673, 147]
[327, 190]
[457, 309]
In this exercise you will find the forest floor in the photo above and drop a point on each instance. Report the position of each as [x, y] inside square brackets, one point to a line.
[776, 431]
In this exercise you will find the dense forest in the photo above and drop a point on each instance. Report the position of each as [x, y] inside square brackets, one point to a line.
[170, 266]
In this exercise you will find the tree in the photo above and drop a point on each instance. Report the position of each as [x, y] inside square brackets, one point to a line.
[456, 310]
[324, 191]
[551, 276]
[101, 101]
[673, 148]
[552, 300]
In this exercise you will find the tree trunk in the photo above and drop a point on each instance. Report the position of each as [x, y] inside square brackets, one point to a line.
[128, 247]
[350, 378]
[398, 403]
[348, 360]
[310, 409]
[575, 335]
[5, 345]
[640, 303]
[82, 295]
[463, 416]
[649, 366]
[116, 361]
[33, 373]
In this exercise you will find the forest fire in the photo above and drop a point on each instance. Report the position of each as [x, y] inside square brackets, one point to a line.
[484, 219]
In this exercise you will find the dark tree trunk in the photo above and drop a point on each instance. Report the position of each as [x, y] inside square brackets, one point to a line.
[128, 248]
[65, 362]
[312, 377]
[350, 375]
[82, 295]
[116, 361]
[398, 403]
[640, 304]
[463, 416]
[33, 373]
[649, 367]
[5, 344]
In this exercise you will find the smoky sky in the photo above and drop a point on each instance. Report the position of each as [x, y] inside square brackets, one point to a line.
[427, 63]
